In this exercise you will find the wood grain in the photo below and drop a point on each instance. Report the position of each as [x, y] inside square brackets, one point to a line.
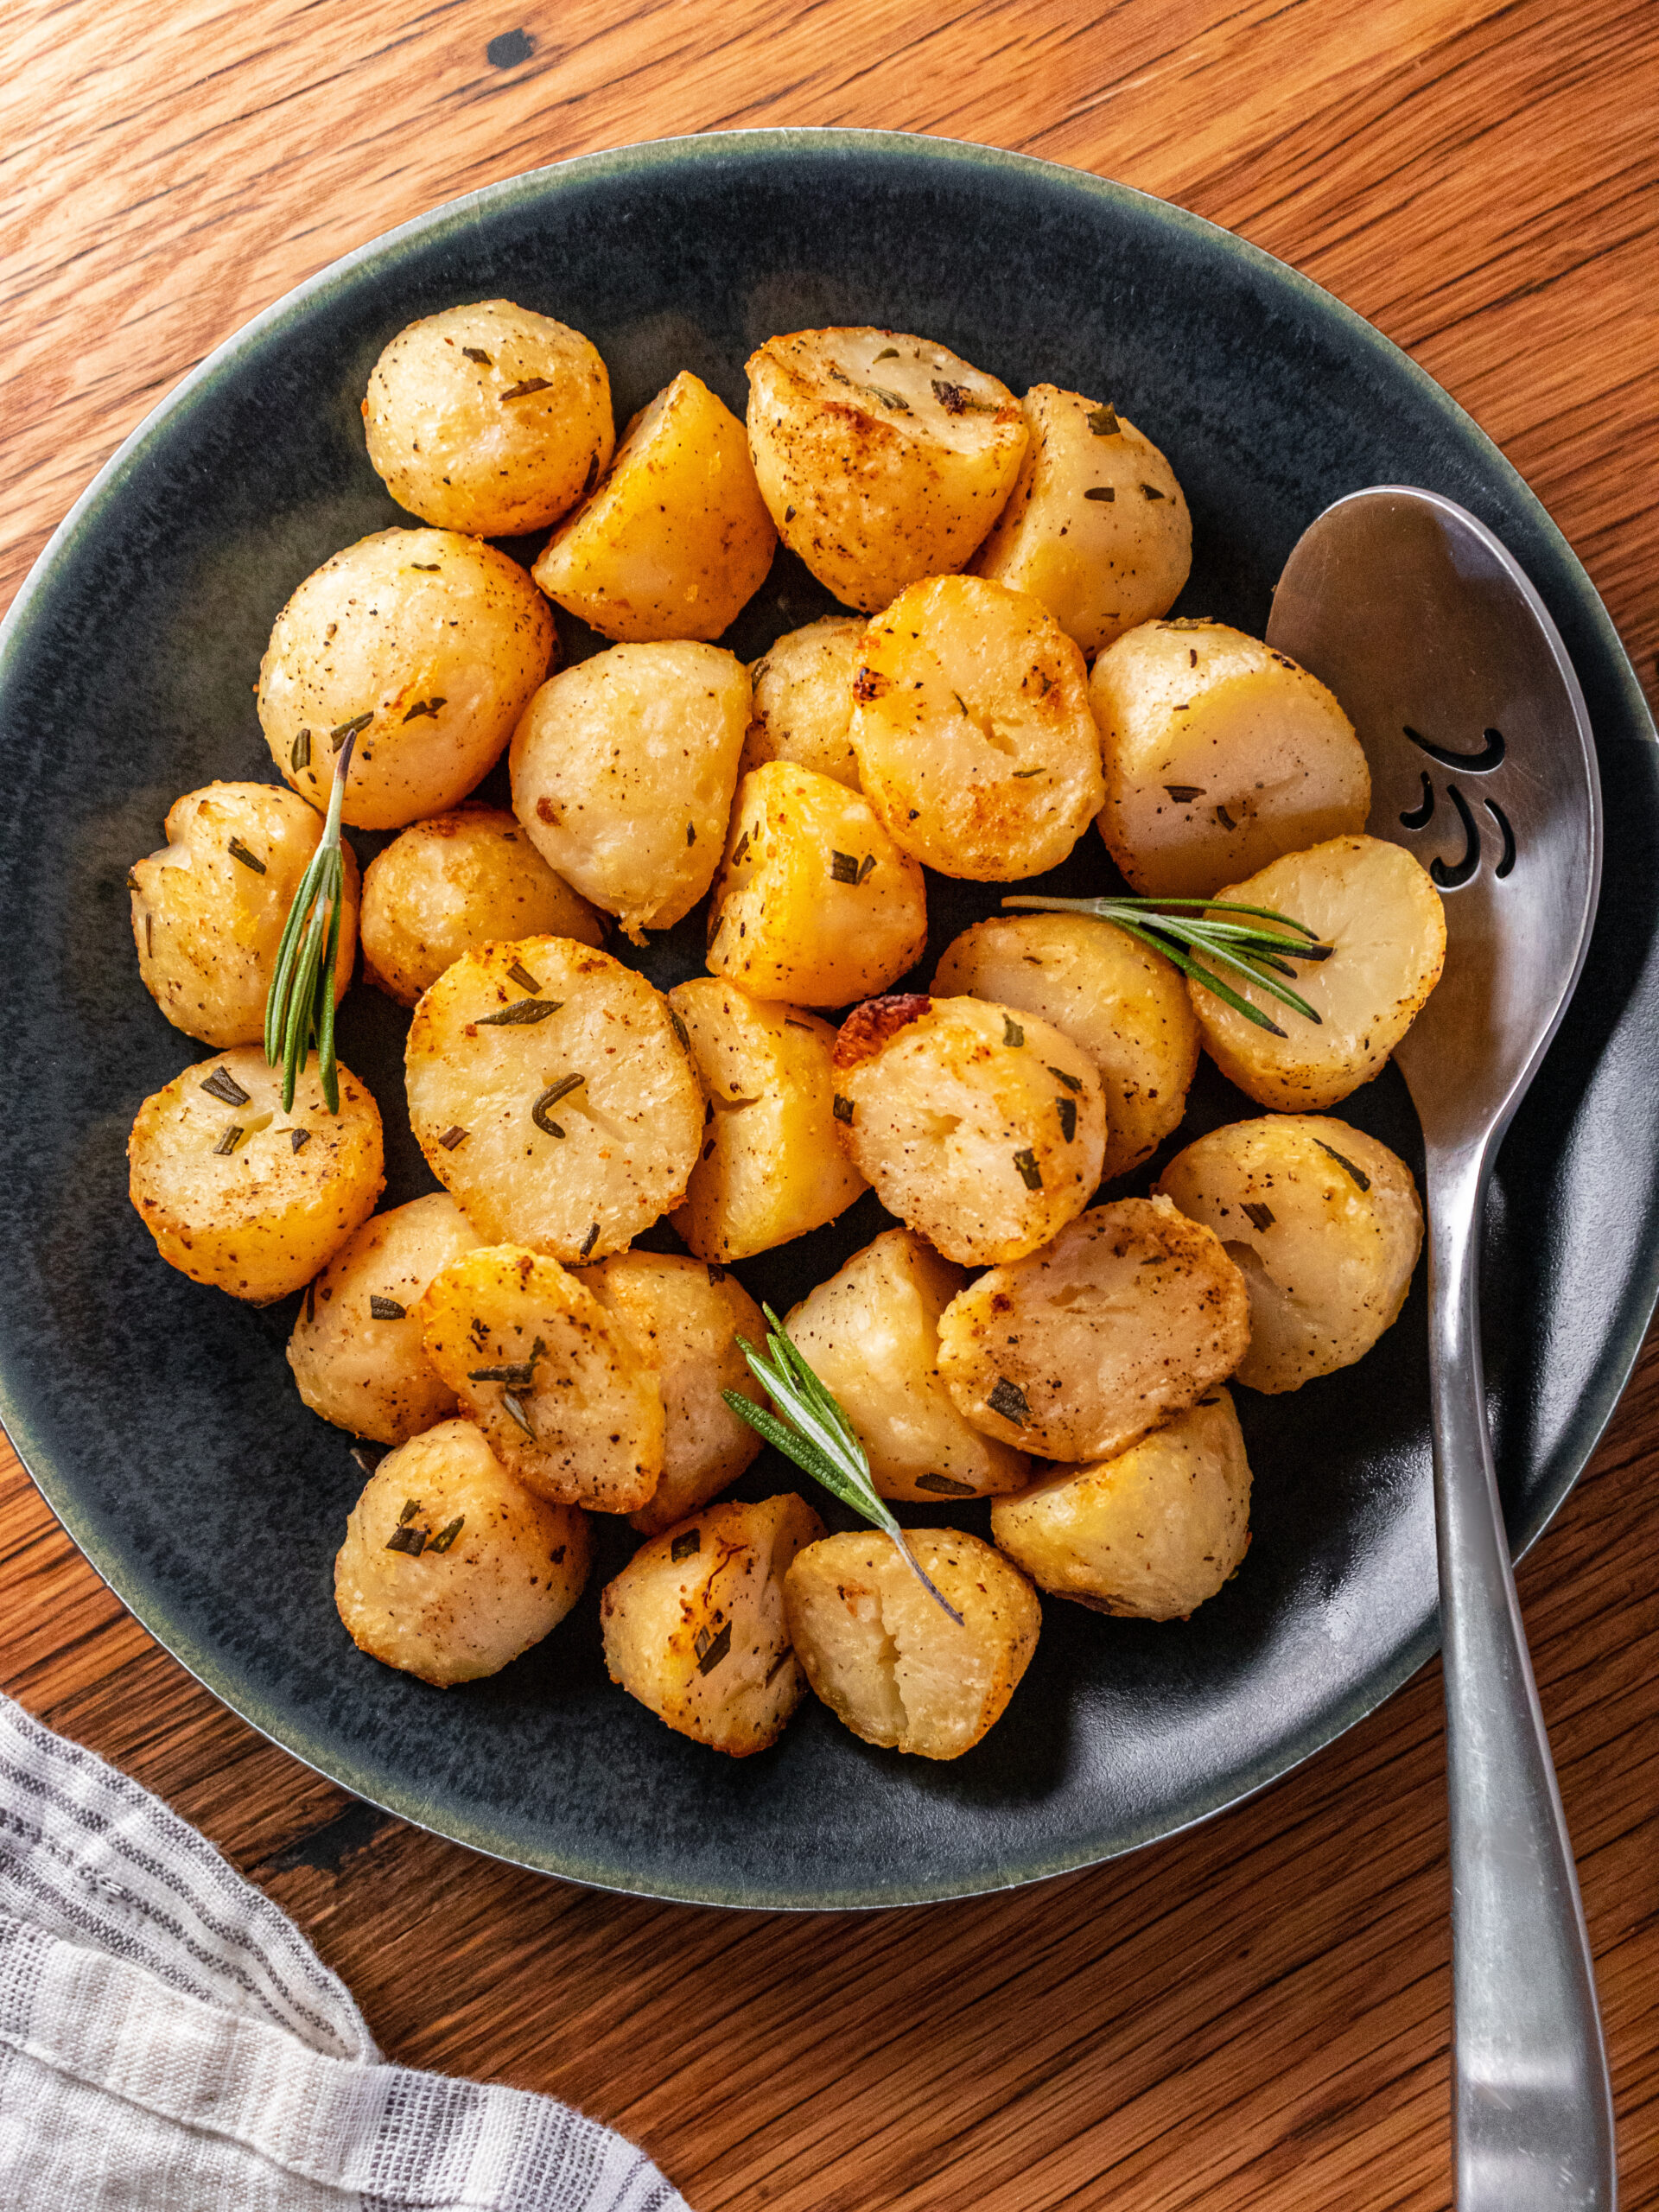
[1254, 2015]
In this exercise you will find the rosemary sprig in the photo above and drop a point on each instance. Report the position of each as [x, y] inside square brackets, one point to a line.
[1259, 955]
[300, 1008]
[817, 1436]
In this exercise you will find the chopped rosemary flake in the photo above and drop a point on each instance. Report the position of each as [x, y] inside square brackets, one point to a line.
[1105, 492]
[1008, 1400]
[1226, 819]
[298, 1140]
[1012, 1031]
[551, 1096]
[477, 353]
[300, 752]
[711, 1649]
[690, 833]
[426, 707]
[520, 1013]
[679, 1028]
[412, 1507]
[1030, 1174]
[520, 975]
[518, 1374]
[517, 1413]
[841, 1108]
[1071, 1082]
[1183, 794]
[385, 1309]
[452, 1137]
[740, 848]
[446, 1535]
[523, 390]
[844, 868]
[427, 568]
[1103, 421]
[1261, 1217]
[888, 354]
[412, 1541]
[1186, 622]
[688, 1540]
[945, 1486]
[239, 851]
[224, 1086]
[1020, 775]
[957, 399]
[865, 866]
[1342, 1160]
[338, 735]
[890, 399]
[369, 1456]
[1067, 1109]
[589, 1239]
[229, 1141]
[1153, 493]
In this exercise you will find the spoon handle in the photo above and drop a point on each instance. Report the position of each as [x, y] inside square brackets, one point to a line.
[1532, 2107]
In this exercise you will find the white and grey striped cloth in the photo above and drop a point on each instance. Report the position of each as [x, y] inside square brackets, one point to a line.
[170, 2042]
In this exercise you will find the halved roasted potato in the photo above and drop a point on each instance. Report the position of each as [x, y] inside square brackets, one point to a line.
[1379, 913]
[814, 902]
[568, 1404]
[886, 1657]
[693, 1624]
[803, 700]
[241, 1194]
[1125, 1004]
[882, 458]
[1151, 1533]
[1220, 754]
[1129, 1316]
[976, 742]
[772, 1167]
[981, 1128]
[552, 1096]
[449, 1567]
[1324, 1224]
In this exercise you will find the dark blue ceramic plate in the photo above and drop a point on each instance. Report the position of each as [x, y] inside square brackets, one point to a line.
[159, 1418]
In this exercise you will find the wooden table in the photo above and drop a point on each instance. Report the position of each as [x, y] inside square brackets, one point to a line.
[1254, 2015]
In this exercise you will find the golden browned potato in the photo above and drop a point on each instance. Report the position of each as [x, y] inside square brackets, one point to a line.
[981, 1129]
[356, 1349]
[882, 458]
[1130, 1315]
[1376, 909]
[552, 1096]
[449, 1567]
[1095, 526]
[1151, 1533]
[1324, 1224]
[682, 1318]
[886, 1660]
[453, 884]
[208, 909]
[677, 539]
[623, 771]
[239, 1193]
[1125, 1004]
[772, 1167]
[693, 1624]
[567, 1404]
[803, 687]
[488, 418]
[977, 745]
[424, 643]
[871, 1333]
[814, 902]
[1220, 754]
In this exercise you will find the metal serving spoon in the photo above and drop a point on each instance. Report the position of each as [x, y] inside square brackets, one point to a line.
[1481, 756]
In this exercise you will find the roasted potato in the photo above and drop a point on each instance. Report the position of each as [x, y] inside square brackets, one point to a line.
[239, 1193]
[871, 1333]
[1220, 754]
[814, 902]
[567, 1404]
[453, 885]
[803, 700]
[355, 1348]
[208, 909]
[883, 459]
[683, 1319]
[1150, 1533]
[982, 1130]
[1325, 1225]
[770, 1166]
[1131, 1314]
[1376, 908]
[449, 1567]
[887, 1660]
[693, 1624]
[1095, 526]
[976, 742]
[488, 418]
[1125, 1004]
[552, 1096]
[677, 539]
[425, 643]
[623, 771]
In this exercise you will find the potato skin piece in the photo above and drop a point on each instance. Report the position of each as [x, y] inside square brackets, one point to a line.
[803, 700]
[457, 1609]
[814, 902]
[488, 418]
[676, 540]
[207, 924]
[260, 1218]
[451, 885]
[437, 638]
[1151, 1534]
[1128, 1316]
[883, 458]
[1125, 1004]
[976, 742]
[983, 1129]
[1324, 1224]
[884, 1657]
[772, 1167]
[694, 1624]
